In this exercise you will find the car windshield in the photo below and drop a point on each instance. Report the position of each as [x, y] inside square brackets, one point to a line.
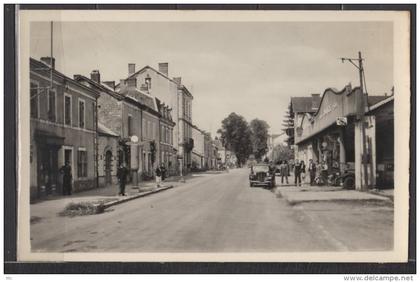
[260, 168]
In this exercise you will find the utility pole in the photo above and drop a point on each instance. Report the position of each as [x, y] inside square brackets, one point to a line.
[361, 115]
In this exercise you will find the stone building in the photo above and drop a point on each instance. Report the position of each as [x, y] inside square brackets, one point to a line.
[197, 155]
[176, 96]
[168, 153]
[62, 128]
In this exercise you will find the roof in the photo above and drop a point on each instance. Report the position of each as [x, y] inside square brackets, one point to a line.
[101, 86]
[44, 67]
[304, 104]
[103, 130]
[160, 73]
[139, 96]
[381, 103]
[372, 100]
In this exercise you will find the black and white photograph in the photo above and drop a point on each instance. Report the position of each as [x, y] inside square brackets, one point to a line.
[214, 136]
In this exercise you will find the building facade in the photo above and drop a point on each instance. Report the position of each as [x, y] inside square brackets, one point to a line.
[177, 97]
[168, 153]
[198, 152]
[334, 134]
[62, 128]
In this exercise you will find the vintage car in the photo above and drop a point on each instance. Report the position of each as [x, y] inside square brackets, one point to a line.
[262, 175]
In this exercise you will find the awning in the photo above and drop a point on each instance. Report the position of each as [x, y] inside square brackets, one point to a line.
[48, 138]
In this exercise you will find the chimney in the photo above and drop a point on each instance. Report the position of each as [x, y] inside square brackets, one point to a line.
[315, 101]
[95, 76]
[131, 69]
[49, 61]
[178, 80]
[110, 84]
[163, 68]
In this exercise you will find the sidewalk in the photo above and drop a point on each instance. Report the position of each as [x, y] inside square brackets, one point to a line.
[296, 195]
[52, 205]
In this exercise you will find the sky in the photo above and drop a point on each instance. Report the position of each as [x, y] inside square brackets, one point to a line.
[251, 68]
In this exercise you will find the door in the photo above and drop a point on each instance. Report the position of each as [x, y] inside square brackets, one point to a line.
[108, 167]
[47, 170]
[68, 158]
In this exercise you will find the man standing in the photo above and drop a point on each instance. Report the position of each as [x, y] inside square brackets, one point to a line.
[284, 171]
[312, 171]
[122, 178]
[67, 178]
[163, 171]
[298, 171]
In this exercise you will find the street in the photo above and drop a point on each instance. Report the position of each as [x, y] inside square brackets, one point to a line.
[219, 213]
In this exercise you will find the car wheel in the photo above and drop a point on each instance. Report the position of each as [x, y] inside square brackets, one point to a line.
[348, 183]
[251, 185]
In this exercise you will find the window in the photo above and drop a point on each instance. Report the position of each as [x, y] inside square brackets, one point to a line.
[34, 99]
[67, 109]
[51, 105]
[148, 82]
[81, 163]
[130, 125]
[81, 113]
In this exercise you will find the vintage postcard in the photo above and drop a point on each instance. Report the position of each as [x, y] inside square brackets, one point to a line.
[258, 136]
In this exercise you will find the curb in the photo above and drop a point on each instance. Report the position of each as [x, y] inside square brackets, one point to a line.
[292, 202]
[140, 195]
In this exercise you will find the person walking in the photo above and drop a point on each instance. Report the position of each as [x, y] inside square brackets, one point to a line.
[158, 173]
[284, 172]
[122, 178]
[298, 171]
[312, 171]
[67, 178]
[303, 171]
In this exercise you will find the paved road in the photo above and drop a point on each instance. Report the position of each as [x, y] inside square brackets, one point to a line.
[210, 213]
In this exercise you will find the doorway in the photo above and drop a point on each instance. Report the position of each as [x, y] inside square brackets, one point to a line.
[108, 167]
[47, 170]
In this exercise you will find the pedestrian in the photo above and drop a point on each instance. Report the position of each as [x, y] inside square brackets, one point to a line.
[284, 171]
[158, 177]
[67, 178]
[302, 171]
[297, 171]
[122, 173]
[163, 170]
[312, 171]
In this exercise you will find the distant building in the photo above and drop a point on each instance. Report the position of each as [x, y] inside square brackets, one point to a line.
[198, 151]
[168, 153]
[62, 129]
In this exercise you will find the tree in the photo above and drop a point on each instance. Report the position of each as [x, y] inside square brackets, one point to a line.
[235, 136]
[282, 153]
[259, 131]
[289, 125]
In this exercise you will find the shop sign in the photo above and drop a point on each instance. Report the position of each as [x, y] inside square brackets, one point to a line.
[341, 121]
[328, 109]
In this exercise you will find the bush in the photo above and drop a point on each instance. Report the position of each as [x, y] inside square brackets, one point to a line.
[83, 208]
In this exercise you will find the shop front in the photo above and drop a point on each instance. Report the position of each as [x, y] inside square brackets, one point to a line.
[333, 138]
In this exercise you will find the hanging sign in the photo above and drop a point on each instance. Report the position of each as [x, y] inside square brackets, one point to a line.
[341, 121]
